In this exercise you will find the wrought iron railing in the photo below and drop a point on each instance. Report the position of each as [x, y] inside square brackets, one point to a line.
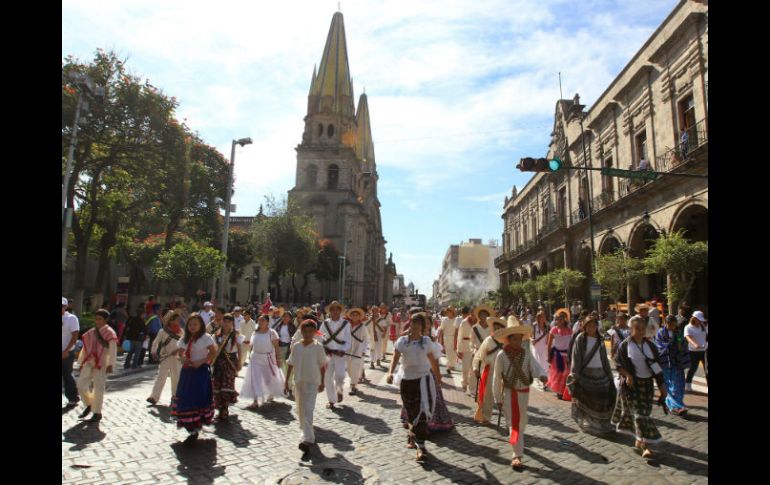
[697, 136]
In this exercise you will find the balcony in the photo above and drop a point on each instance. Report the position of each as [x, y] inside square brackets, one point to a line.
[499, 260]
[697, 137]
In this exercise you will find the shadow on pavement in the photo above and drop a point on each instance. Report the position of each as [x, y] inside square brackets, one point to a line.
[695, 418]
[277, 412]
[452, 473]
[488, 477]
[386, 403]
[197, 460]
[458, 443]
[161, 412]
[371, 424]
[232, 431]
[67, 408]
[553, 468]
[559, 444]
[666, 424]
[82, 434]
[333, 438]
[551, 424]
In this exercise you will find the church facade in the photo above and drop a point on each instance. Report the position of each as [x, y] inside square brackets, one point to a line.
[336, 178]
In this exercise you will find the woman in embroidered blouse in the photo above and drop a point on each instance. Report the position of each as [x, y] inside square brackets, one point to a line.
[264, 378]
[193, 405]
[558, 345]
[540, 342]
[638, 363]
[590, 381]
[418, 388]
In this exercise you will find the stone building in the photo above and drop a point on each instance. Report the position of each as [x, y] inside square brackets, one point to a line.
[661, 94]
[336, 179]
[468, 272]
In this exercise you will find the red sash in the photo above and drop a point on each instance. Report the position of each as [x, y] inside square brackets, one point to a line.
[515, 415]
[483, 384]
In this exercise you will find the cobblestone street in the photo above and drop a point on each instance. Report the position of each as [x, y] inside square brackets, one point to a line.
[363, 440]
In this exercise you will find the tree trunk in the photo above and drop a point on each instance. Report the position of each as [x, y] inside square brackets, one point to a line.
[294, 287]
[671, 301]
[109, 239]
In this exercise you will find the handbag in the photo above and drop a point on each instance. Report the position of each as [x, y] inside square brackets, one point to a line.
[127, 345]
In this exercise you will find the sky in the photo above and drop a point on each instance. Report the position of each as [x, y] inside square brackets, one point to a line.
[458, 91]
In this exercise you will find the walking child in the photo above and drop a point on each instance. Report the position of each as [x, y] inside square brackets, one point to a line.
[99, 353]
[164, 348]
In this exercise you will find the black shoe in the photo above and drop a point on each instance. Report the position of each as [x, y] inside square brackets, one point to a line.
[371, 365]
[304, 447]
[192, 438]
[352, 392]
[152, 401]
[85, 412]
[95, 418]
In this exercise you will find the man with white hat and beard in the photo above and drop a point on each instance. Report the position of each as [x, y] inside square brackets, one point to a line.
[484, 367]
[337, 343]
[515, 368]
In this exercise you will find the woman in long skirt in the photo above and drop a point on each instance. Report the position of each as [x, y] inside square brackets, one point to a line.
[441, 420]
[227, 364]
[638, 363]
[675, 360]
[558, 345]
[193, 404]
[590, 381]
[418, 388]
[264, 378]
[540, 342]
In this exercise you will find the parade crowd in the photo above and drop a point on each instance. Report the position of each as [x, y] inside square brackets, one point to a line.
[311, 350]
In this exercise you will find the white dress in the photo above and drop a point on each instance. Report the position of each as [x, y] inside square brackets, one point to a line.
[540, 349]
[263, 377]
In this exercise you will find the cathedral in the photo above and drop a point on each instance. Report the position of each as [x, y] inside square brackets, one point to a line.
[336, 180]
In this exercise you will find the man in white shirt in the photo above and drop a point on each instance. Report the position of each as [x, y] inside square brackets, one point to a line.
[238, 318]
[70, 330]
[207, 314]
[654, 314]
[464, 350]
[308, 358]
[247, 330]
[446, 335]
[484, 368]
[696, 334]
[479, 332]
[386, 321]
[644, 311]
[337, 343]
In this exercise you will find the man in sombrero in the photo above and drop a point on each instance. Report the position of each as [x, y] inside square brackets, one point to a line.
[359, 344]
[337, 343]
[515, 369]
[479, 331]
[483, 367]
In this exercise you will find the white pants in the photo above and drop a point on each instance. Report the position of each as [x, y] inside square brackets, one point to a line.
[384, 345]
[355, 369]
[245, 349]
[449, 348]
[305, 394]
[469, 378]
[89, 373]
[169, 365]
[376, 351]
[334, 380]
[518, 448]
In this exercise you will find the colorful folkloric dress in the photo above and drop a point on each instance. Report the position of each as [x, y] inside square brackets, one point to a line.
[193, 405]
[559, 370]
[225, 370]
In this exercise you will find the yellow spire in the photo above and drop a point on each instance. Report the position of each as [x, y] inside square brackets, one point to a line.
[334, 73]
[364, 143]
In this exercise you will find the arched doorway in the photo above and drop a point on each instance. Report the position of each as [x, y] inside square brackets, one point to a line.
[648, 286]
[609, 245]
[693, 221]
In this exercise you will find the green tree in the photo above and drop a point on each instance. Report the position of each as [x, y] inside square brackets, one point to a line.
[546, 285]
[516, 290]
[326, 266]
[680, 259]
[529, 288]
[565, 279]
[240, 251]
[188, 263]
[284, 242]
[615, 271]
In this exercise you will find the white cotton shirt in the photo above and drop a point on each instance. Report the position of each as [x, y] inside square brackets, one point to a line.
[414, 358]
[207, 316]
[697, 334]
[232, 345]
[69, 324]
[247, 329]
[199, 348]
[307, 361]
[596, 360]
[640, 363]
[238, 321]
[284, 333]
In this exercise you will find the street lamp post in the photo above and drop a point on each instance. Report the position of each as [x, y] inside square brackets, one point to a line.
[587, 162]
[344, 267]
[84, 82]
[222, 281]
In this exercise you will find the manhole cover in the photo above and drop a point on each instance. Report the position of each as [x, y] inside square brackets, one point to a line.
[323, 474]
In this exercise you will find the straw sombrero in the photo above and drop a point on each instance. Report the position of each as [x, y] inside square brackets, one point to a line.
[355, 310]
[486, 308]
[333, 304]
[447, 310]
[497, 320]
[280, 311]
[641, 306]
[563, 310]
[514, 326]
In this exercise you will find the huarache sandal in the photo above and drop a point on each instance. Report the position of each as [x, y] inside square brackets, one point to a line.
[516, 464]
[422, 455]
[410, 444]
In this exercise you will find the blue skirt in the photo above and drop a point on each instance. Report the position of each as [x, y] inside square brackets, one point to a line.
[675, 386]
[193, 405]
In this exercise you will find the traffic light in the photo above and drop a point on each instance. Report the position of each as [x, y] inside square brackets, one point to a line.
[529, 164]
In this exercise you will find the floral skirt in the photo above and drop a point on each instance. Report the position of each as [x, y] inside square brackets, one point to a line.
[193, 405]
[223, 381]
[593, 401]
[442, 419]
[633, 409]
